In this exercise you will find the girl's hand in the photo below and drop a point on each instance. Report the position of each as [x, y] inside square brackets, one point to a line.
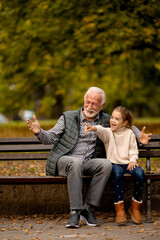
[131, 166]
[89, 128]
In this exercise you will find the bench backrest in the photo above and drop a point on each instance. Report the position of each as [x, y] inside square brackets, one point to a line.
[32, 149]
[23, 149]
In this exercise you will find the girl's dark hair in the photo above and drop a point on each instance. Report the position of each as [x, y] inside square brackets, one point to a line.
[126, 114]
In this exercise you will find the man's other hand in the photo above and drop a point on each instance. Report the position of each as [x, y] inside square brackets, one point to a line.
[144, 137]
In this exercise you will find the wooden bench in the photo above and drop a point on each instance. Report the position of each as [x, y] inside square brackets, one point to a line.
[31, 149]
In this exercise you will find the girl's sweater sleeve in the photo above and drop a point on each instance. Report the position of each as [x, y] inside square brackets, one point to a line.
[103, 133]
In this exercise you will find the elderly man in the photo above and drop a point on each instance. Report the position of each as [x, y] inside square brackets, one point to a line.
[75, 154]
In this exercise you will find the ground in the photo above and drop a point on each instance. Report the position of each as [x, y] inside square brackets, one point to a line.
[53, 228]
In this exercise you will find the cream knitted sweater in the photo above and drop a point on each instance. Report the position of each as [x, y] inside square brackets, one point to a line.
[121, 146]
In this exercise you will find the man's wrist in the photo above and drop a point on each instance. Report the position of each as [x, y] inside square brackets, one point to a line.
[37, 133]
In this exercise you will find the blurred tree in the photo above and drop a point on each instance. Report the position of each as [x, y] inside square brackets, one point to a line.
[52, 51]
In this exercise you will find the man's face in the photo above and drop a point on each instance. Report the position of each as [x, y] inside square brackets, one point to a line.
[92, 104]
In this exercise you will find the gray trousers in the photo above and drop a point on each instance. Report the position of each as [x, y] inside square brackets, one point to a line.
[74, 169]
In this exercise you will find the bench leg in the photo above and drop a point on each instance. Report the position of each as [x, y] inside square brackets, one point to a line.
[149, 211]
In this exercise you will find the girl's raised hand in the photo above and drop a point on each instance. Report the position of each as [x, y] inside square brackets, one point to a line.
[89, 128]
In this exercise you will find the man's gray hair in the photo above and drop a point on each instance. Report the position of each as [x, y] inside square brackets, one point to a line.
[98, 90]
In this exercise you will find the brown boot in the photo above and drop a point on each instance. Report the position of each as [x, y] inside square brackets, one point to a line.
[134, 211]
[121, 215]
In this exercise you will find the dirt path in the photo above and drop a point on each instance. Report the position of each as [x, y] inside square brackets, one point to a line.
[49, 228]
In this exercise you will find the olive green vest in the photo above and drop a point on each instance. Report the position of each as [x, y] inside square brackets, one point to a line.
[70, 138]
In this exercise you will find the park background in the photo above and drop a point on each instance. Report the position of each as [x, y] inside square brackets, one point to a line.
[51, 52]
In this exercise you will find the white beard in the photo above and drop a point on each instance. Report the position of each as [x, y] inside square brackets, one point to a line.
[91, 114]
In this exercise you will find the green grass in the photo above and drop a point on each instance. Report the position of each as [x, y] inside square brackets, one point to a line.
[147, 120]
[23, 123]
[53, 122]
[20, 128]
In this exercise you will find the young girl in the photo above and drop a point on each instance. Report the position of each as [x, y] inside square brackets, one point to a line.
[121, 149]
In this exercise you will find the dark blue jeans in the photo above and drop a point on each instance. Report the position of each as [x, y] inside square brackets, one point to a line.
[138, 175]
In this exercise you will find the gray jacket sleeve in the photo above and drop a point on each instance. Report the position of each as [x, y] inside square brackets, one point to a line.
[136, 132]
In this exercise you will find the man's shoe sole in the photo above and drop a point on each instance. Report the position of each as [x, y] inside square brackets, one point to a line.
[72, 226]
[89, 224]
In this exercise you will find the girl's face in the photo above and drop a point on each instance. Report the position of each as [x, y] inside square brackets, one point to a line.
[116, 121]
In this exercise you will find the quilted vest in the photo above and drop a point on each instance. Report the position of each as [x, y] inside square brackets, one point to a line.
[70, 138]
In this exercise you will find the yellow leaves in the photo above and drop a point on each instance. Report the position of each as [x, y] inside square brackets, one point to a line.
[42, 174]
[3, 36]
[124, 56]
[141, 231]
[22, 168]
[121, 228]
[149, 34]
[88, 19]
[107, 227]
[148, 31]
[92, 60]
[155, 223]
[35, 239]
[2, 46]
[157, 65]
[4, 229]
[39, 222]
[31, 226]
[88, 23]
[27, 23]
[42, 5]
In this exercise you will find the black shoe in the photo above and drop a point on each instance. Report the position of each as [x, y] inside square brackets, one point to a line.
[73, 221]
[89, 218]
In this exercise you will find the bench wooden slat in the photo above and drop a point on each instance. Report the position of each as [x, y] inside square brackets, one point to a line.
[150, 145]
[42, 147]
[23, 156]
[34, 140]
[25, 148]
[36, 179]
[155, 137]
[31, 180]
[19, 140]
[143, 154]
[44, 156]
[58, 179]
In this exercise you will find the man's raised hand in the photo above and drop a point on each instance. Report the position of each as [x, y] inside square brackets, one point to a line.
[34, 125]
[144, 137]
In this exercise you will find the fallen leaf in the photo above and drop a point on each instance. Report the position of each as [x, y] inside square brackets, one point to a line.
[39, 222]
[155, 223]
[103, 234]
[107, 227]
[140, 231]
[3, 229]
